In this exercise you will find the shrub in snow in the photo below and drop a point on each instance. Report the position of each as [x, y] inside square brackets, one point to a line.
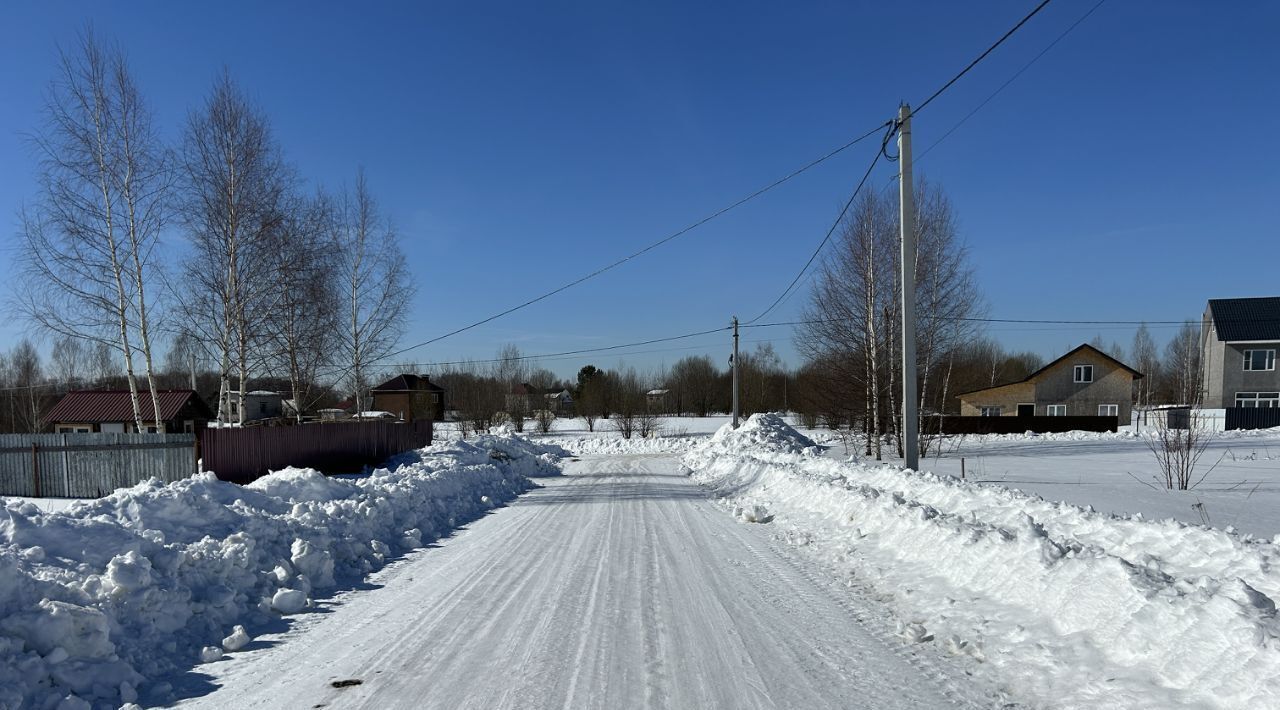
[1062, 605]
[108, 596]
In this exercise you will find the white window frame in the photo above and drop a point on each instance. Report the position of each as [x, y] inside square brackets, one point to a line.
[1077, 374]
[1259, 400]
[991, 411]
[1268, 360]
[1055, 410]
[1108, 410]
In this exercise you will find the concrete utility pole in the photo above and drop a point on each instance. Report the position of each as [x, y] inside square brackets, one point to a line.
[735, 372]
[907, 221]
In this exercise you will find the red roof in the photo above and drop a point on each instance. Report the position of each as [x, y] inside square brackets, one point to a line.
[117, 406]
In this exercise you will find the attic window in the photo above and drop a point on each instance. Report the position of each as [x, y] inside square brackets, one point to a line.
[1083, 373]
[1259, 359]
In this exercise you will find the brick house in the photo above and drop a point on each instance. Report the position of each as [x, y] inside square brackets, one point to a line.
[1239, 338]
[91, 411]
[410, 397]
[1084, 382]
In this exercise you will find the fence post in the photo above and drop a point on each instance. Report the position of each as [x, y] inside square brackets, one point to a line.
[962, 468]
[35, 467]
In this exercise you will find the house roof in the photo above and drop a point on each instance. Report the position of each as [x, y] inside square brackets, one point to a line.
[526, 388]
[1244, 319]
[1035, 375]
[408, 383]
[117, 406]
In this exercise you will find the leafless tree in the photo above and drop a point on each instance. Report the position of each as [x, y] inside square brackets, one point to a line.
[233, 185]
[103, 364]
[693, 381]
[89, 242]
[27, 377]
[1182, 366]
[853, 325]
[68, 358]
[1147, 361]
[304, 311]
[375, 283]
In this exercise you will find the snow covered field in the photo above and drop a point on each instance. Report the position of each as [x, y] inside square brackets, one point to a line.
[102, 602]
[1062, 606]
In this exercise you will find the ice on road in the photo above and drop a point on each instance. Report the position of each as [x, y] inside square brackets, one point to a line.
[618, 585]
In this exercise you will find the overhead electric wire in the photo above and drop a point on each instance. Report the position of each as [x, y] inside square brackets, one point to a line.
[893, 129]
[650, 247]
[980, 57]
[888, 136]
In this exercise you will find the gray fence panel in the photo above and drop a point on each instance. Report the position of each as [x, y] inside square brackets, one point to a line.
[90, 465]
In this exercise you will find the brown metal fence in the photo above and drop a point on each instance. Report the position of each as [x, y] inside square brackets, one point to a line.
[242, 455]
[90, 465]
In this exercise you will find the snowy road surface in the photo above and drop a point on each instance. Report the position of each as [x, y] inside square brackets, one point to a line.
[616, 586]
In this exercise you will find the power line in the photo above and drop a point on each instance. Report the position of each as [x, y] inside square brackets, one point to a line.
[1010, 80]
[888, 136]
[650, 247]
[578, 352]
[982, 56]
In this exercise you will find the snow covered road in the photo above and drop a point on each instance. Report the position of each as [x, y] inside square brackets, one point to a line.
[618, 585]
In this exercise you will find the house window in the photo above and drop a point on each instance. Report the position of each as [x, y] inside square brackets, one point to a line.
[1056, 410]
[991, 411]
[1083, 373]
[1261, 400]
[1108, 410]
[1259, 359]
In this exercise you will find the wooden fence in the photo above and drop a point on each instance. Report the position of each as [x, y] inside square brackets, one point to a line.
[244, 454]
[90, 465]
[1017, 425]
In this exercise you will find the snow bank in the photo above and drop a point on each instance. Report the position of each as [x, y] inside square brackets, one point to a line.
[110, 595]
[1065, 606]
[616, 445]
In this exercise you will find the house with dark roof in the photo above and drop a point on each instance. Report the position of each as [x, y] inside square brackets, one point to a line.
[91, 411]
[1084, 382]
[410, 397]
[1238, 342]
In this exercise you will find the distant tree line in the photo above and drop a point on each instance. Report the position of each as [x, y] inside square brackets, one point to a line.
[267, 278]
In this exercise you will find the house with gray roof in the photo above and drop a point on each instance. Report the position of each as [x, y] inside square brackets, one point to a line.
[1238, 342]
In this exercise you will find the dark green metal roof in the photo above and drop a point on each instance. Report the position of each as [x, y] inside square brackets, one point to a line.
[1245, 319]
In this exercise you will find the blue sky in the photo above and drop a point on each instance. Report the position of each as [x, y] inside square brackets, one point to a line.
[1130, 174]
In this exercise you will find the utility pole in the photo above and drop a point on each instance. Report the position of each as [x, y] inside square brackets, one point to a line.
[907, 222]
[735, 372]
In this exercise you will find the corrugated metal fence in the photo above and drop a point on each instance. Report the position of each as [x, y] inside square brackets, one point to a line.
[1017, 425]
[244, 454]
[90, 465]
[1252, 418]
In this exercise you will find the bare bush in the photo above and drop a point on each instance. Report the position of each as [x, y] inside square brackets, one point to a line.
[624, 423]
[544, 421]
[1178, 450]
[648, 425]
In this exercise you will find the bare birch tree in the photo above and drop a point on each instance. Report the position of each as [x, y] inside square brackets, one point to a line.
[89, 242]
[233, 183]
[376, 287]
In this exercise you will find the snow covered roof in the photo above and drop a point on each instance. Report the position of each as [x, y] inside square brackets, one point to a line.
[262, 393]
[374, 415]
[117, 406]
[1246, 319]
[657, 392]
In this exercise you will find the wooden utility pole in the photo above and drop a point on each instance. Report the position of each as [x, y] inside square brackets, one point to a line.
[907, 222]
[735, 372]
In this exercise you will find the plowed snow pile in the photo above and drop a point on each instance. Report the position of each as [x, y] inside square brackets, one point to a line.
[1064, 606]
[99, 600]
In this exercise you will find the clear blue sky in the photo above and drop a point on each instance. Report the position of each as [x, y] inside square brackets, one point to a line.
[1130, 174]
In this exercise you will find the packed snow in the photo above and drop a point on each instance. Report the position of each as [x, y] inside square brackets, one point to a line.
[100, 602]
[1065, 606]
